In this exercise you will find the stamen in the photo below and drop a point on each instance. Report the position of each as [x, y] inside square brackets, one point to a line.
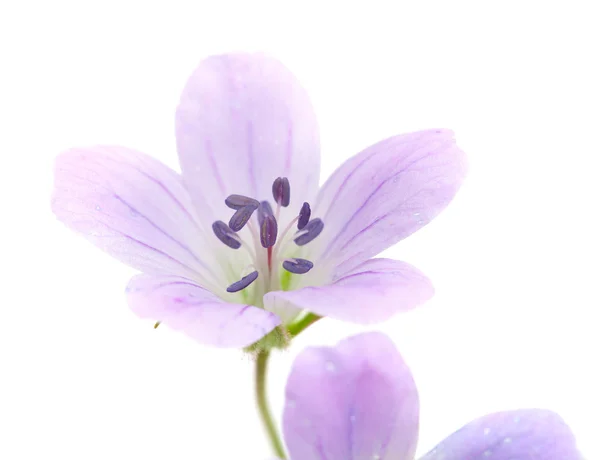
[268, 231]
[309, 232]
[239, 201]
[264, 209]
[297, 266]
[225, 235]
[281, 191]
[241, 217]
[304, 216]
[282, 236]
[243, 283]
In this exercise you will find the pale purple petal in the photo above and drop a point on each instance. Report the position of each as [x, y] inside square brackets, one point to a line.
[244, 120]
[357, 401]
[285, 310]
[384, 194]
[181, 304]
[527, 434]
[371, 293]
[132, 207]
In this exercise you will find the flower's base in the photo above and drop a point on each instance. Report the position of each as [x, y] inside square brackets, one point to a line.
[277, 338]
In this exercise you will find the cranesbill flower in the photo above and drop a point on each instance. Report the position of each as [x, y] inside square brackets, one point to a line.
[244, 240]
[358, 401]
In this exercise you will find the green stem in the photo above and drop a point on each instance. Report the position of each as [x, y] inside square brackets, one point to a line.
[303, 323]
[262, 360]
[263, 406]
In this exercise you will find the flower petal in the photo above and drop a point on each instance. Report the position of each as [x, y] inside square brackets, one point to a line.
[133, 207]
[527, 434]
[384, 194]
[371, 293]
[357, 401]
[285, 310]
[183, 305]
[244, 120]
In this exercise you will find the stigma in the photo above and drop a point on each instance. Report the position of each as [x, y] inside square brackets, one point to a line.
[259, 218]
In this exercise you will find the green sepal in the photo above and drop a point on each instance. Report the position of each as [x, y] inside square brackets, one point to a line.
[277, 338]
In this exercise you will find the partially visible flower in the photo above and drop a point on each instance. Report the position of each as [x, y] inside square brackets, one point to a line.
[244, 240]
[358, 401]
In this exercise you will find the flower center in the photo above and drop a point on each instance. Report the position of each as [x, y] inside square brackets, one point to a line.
[267, 254]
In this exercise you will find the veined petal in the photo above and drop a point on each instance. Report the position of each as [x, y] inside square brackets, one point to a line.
[181, 304]
[243, 121]
[528, 434]
[133, 207]
[356, 401]
[285, 310]
[371, 293]
[384, 194]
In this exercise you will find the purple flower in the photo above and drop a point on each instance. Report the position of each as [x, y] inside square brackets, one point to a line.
[244, 240]
[358, 401]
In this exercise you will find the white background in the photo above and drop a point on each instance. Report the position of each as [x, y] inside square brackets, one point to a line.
[514, 258]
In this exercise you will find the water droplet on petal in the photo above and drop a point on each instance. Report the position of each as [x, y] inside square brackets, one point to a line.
[486, 431]
[98, 208]
[329, 366]
[419, 218]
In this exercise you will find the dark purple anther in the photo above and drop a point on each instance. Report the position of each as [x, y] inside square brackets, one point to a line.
[264, 209]
[243, 283]
[224, 233]
[240, 217]
[281, 191]
[304, 216]
[310, 232]
[297, 266]
[239, 201]
[268, 232]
